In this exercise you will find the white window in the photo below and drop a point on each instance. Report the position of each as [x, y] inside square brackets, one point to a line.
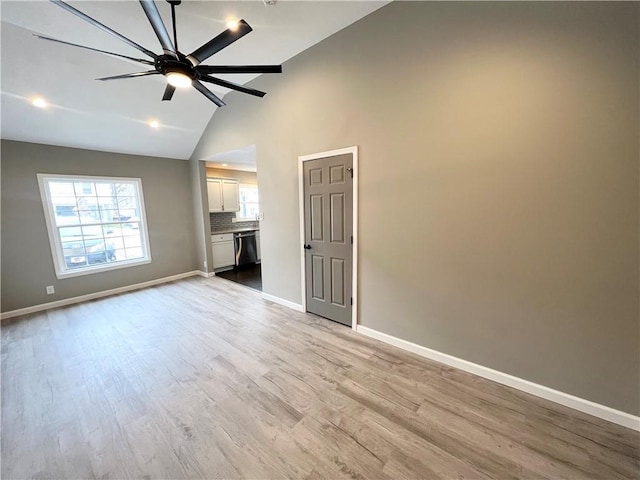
[249, 203]
[94, 223]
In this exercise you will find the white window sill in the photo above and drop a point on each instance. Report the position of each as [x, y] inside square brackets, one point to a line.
[101, 268]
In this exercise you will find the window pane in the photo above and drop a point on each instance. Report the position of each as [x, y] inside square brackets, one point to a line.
[94, 245]
[125, 189]
[112, 230]
[61, 189]
[66, 216]
[116, 242]
[131, 241]
[73, 248]
[105, 189]
[75, 261]
[249, 194]
[251, 210]
[127, 214]
[63, 203]
[107, 203]
[87, 203]
[133, 253]
[84, 188]
[108, 215]
[92, 231]
[249, 202]
[89, 216]
[70, 233]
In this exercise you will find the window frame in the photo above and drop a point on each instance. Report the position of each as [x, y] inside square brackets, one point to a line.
[55, 243]
[238, 218]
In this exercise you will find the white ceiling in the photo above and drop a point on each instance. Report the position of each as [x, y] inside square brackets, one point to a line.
[112, 116]
[243, 159]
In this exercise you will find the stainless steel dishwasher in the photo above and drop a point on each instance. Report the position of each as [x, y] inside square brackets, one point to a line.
[245, 246]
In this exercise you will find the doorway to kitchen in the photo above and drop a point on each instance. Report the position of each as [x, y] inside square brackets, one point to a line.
[328, 232]
[234, 213]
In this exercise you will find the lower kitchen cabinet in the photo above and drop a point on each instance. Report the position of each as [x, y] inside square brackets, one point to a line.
[222, 250]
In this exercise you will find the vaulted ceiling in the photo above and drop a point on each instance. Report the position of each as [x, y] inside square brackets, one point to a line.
[114, 116]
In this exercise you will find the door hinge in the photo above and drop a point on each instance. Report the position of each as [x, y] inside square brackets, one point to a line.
[350, 170]
[351, 301]
[351, 239]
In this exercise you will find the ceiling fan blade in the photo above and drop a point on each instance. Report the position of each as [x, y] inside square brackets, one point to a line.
[103, 27]
[208, 93]
[216, 44]
[140, 60]
[168, 92]
[206, 69]
[152, 13]
[233, 86]
[131, 75]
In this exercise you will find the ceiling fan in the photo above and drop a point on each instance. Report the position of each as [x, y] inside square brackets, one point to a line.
[180, 70]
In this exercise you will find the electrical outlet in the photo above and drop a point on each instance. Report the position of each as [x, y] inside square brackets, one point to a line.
[260, 216]
[204, 264]
[50, 290]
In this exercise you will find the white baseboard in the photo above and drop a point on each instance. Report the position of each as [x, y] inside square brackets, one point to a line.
[282, 301]
[92, 296]
[577, 403]
[206, 274]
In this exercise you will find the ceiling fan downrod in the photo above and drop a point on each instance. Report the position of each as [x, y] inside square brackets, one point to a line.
[173, 4]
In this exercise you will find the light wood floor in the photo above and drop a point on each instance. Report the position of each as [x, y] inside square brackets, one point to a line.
[203, 378]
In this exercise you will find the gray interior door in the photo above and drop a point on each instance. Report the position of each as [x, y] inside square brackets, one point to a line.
[328, 213]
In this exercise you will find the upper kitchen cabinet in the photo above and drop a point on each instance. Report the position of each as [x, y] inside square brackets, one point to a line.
[223, 195]
[230, 196]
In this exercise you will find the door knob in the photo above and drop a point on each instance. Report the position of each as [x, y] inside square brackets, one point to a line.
[307, 247]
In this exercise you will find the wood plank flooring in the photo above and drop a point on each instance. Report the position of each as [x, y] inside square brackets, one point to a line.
[203, 378]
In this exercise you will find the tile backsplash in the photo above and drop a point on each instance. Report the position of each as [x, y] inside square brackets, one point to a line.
[223, 221]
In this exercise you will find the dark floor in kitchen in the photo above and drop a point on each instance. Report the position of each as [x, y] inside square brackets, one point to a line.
[248, 275]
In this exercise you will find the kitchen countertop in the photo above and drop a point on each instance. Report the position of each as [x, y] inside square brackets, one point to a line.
[234, 230]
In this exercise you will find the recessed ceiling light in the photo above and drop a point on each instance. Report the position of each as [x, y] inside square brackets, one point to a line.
[233, 25]
[154, 123]
[224, 164]
[179, 80]
[39, 102]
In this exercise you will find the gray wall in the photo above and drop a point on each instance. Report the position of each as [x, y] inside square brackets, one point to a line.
[499, 180]
[27, 264]
[202, 233]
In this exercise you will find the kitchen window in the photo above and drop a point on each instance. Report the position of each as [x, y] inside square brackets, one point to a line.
[94, 223]
[249, 203]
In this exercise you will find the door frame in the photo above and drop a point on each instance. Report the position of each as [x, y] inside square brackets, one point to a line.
[354, 265]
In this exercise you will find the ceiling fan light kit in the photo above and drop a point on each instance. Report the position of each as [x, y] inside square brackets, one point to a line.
[178, 80]
[181, 71]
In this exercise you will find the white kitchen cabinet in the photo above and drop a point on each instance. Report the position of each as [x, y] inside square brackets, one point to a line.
[230, 196]
[214, 193]
[223, 195]
[222, 250]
